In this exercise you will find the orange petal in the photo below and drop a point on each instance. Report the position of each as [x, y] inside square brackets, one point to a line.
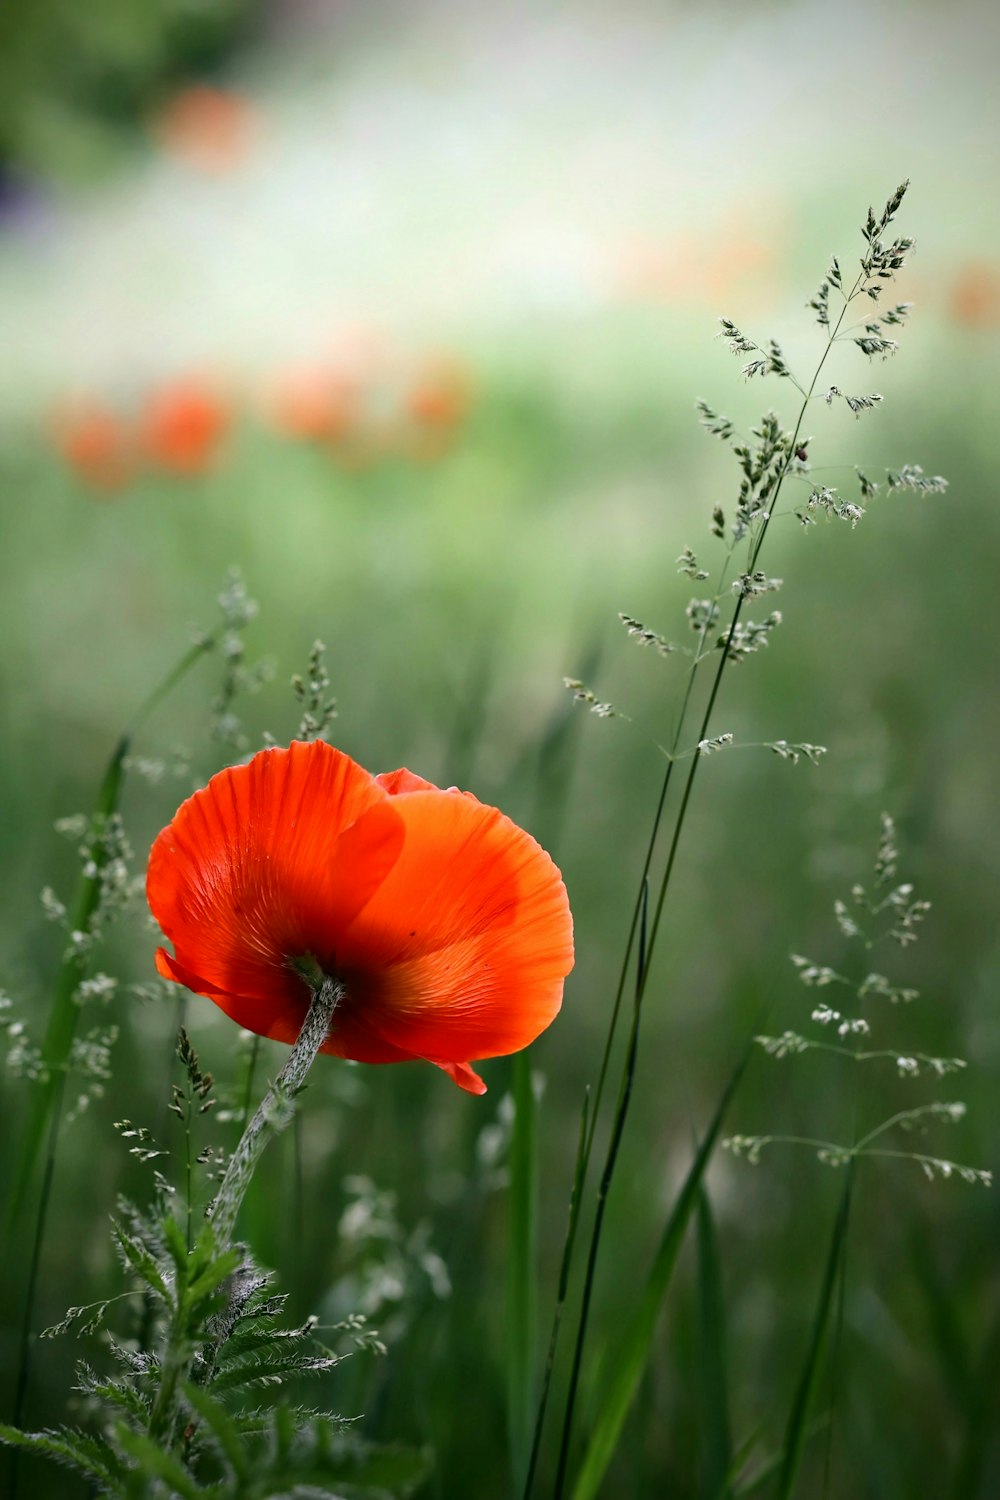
[351, 1037]
[354, 1039]
[168, 968]
[398, 783]
[271, 861]
[466, 1078]
[395, 782]
[462, 951]
[279, 1019]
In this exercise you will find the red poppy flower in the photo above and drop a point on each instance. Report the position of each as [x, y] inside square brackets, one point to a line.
[446, 924]
[182, 426]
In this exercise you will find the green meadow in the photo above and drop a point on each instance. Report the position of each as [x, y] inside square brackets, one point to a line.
[509, 240]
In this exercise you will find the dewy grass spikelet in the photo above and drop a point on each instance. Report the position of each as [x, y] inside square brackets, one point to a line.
[445, 927]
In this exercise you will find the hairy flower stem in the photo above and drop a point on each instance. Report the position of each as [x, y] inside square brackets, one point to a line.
[625, 1090]
[274, 1111]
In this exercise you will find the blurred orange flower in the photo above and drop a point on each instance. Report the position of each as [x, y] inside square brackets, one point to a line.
[182, 426]
[974, 301]
[736, 256]
[447, 925]
[210, 128]
[435, 403]
[313, 402]
[440, 395]
[94, 443]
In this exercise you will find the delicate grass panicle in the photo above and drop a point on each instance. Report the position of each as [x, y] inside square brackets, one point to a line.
[883, 915]
[775, 476]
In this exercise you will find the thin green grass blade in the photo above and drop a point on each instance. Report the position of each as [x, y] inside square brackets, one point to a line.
[472, 701]
[741, 1455]
[223, 1429]
[628, 1366]
[713, 1378]
[554, 765]
[795, 1431]
[522, 1297]
[756, 1482]
[944, 1326]
[155, 1462]
[64, 1014]
[604, 1188]
[45, 1107]
[579, 1172]
[980, 1420]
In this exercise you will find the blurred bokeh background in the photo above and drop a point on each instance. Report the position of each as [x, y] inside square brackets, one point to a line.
[402, 309]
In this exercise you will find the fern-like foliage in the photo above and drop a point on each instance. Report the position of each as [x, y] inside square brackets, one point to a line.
[193, 1413]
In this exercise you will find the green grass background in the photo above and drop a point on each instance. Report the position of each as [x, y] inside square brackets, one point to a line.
[454, 595]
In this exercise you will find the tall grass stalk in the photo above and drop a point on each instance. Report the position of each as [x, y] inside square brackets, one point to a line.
[591, 1109]
[562, 1294]
[553, 770]
[713, 1379]
[624, 1371]
[674, 844]
[522, 1286]
[598, 1456]
[624, 1094]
